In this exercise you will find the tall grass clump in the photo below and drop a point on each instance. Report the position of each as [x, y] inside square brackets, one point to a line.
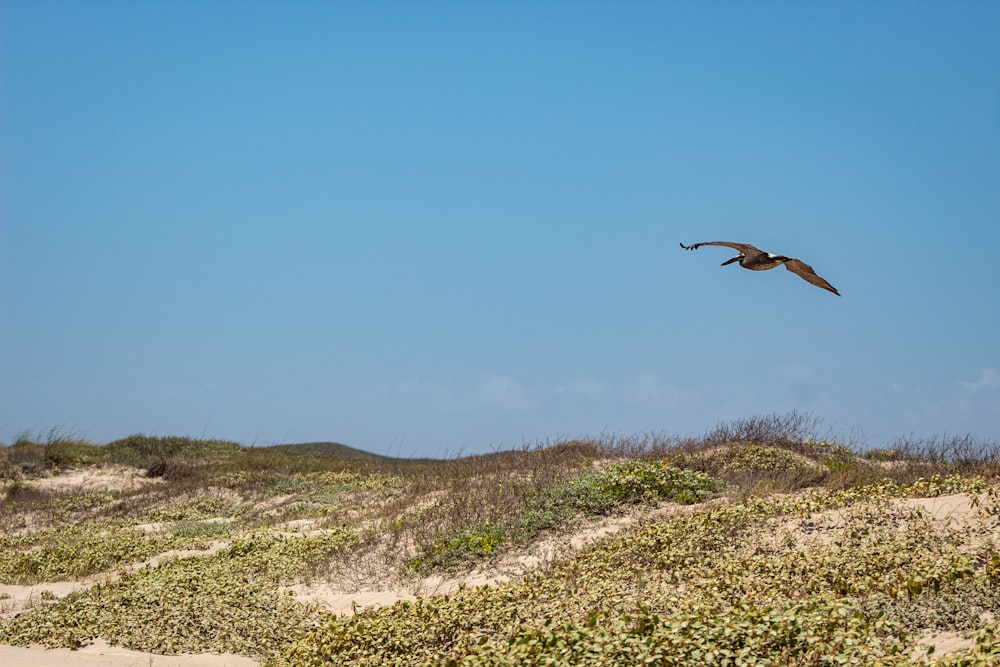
[948, 454]
[788, 430]
[171, 456]
[33, 456]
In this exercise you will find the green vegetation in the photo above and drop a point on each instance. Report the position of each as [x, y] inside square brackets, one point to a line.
[726, 583]
[71, 552]
[587, 494]
[759, 543]
[225, 602]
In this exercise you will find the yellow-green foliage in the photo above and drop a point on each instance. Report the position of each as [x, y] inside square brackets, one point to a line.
[823, 632]
[882, 454]
[75, 551]
[726, 585]
[846, 577]
[761, 458]
[636, 481]
[346, 480]
[225, 602]
[194, 509]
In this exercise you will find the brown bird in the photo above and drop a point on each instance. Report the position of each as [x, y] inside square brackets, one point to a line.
[755, 259]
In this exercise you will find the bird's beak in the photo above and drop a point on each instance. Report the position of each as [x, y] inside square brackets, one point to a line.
[730, 261]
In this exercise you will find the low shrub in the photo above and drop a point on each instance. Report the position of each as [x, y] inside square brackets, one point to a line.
[643, 481]
[151, 452]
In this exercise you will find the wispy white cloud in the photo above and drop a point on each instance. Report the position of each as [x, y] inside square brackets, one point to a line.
[412, 386]
[651, 392]
[503, 393]
[989, 380]
[498, 393]
[584, 386]
[963, 406]
[416, 393]
[794, 372]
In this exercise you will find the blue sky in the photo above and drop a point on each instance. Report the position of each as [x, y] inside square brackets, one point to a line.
[442, 227]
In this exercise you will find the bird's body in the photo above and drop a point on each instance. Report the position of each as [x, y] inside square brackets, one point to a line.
[755, 259]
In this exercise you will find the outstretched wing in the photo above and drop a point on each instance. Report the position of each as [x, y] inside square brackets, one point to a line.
[806, 272]
[744, 248]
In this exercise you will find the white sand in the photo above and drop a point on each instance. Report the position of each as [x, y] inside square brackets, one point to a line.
[103, 478]
[99, 653]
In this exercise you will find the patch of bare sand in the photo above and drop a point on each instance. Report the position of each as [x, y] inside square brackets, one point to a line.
[961, 511]
[943, 643]
[342, 602]
[15, 599]
[96, 478]
[92, 479]
[297, 525]
[100, 653]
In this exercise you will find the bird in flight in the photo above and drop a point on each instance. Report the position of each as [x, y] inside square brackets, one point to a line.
[755, 259]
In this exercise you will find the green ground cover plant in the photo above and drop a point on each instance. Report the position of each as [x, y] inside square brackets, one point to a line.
[78, 551]
[764, 542]
[711, 587]
[225, 602]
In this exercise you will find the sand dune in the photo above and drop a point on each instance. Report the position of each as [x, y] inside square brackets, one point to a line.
[957, 510]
